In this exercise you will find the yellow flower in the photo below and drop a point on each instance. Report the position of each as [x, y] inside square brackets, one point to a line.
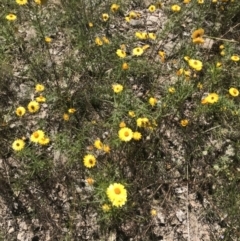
[89, 161]
[218, 64]
[186, 1]
[171, 90]
[11, 17]
[44, 141]
[71, 110]
[153, 212]
[106, 148]
[122, 124]
[199, 85]
[212, 98]
[131, 113]
[235, 58]
[48, 39]
[186, 58]
[36, 136]
[143, 122]
[18, 145]
[197, 33]
[105, 17]
[98, 41]
[133, 14]
[98, 144]
[175, 8]
[180, 72]
[125, 66]
[214, 1]
[152, 101]
[127, 19]
[195, 64]
[117, 194]
[114, 7]
[198, 40]
[162, 55]
[90, 181]
[66, 117]
[40, 99]
[200, 1]
[33, 106]
[141, 35]
[90, 24]
[117, 88]
[184, 122]
[125, 134]
[221, 47]
[222, 53]
[40, 2]
[146, 46]
[20, 111]
[233, 92]
[151, 8]
[137, 136]
[21, 2]
[106, 208]
[152, 36]
[105, 40]
[121, 53]
[137, 51]
[39, 88]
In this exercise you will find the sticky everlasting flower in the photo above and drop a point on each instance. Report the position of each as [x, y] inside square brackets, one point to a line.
[21, 2]
[33, 106]
[105, 17]
[152, 101]
[117, 88]
[151, 8]
[98, 41]
[143, 122]
[117, 194]
[40, 99]
[106, 208]
[11, 17]
[71, 110]
[233, 92]
[125, 134]
[48, 39]
[184, 122]
[137, 136]
[125, 66]
[66, 117]
[44, 141]
[171, 90]
[212, 98]
[20, 111]
[121, 53]
[137, 51]
[131, 113]
[235, 58]
[98, 144]
[39, 88]
[36, 136]
[200, 1]
[175, 8]
[114, 7]
[195, 64]
[89, 161]
[18, 145]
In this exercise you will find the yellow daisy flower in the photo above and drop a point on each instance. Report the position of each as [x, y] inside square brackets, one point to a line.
[117, 88]
[71, 110]
[200, 1]
[195, 64]
[39, 88]
[152, 101]
[105, 40]
[18, 145]
[125, 134]
[36, 136]
[98, 144]
[33, 106]
[153, 212]
[90, 24]
[184, 122]
[89, 161]
[105, 17]
[106, 148]
[20, 111]
[11, 17]
[137, 136]
[137, 51]
[106, 208]
[121, 53]
[152, 36]
[131, 113]
[44, 141]
[212, 98]
[175, 8]
[48, 39]
[125, 66]
[114, 7]
[197, 33]
[21, 2]
[151, 8]
[122, 124]
[171, 90]
[40, 99]
[143, 122]
[233, 92]
[66, 117]
[90, 181]
[235, 58]
[117, 194]
[98, 41]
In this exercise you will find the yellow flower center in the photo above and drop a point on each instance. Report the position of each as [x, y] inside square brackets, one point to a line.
[117, 190]
[90, 161]
[35, 134]
[126, 133]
